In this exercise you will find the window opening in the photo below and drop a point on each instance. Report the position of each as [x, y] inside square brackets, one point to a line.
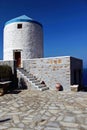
[19, 26]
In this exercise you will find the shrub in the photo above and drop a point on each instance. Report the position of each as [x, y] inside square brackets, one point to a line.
[5, 72]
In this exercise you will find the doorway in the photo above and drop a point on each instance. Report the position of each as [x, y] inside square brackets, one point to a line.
[17, 58]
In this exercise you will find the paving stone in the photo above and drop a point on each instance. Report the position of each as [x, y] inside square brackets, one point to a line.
[3, 113]
[53, 124]
[21, 125]
[85, 120]
[14, 113]
[3, 127]
[83, 127]
[53, 108]
[69, 119]
[15, 129]
[68, 124]
[81, 119]
[25, 121]
[42, 111]
[71, 129]
[77, 112]
[45, 117]
[60, 118]
[48, 113]
[49, 110]
[53, 111]
[16, 119]
[38, 128]
[53, 118]
[51, 128]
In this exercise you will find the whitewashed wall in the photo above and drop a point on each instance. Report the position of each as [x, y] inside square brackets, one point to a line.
[28, 39]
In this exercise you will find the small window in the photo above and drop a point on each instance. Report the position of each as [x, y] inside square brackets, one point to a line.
[19, 26]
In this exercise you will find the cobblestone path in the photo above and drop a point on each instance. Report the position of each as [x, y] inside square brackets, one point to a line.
[48, 110]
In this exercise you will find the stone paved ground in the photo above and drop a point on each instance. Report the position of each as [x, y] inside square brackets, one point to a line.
[48, 110]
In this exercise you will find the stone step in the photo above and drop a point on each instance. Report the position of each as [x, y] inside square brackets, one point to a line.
[35, 81]
[21, 70]
[44, 88]
[40, 86]
[25, 73]
[33, 78]
[30, 78]
[30, 75]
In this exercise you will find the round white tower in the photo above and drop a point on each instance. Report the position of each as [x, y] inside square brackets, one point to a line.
[23, 39]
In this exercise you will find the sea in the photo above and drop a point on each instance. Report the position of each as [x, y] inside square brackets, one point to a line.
[85, 77]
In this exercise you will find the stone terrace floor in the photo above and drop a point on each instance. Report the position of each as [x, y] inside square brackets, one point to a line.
[48, 110]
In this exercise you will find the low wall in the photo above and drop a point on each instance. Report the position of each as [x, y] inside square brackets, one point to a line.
[51, 70]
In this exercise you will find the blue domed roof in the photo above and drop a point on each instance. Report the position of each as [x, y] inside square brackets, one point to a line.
[22, 18]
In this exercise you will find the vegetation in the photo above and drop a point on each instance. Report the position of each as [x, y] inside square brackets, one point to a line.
[5, 72]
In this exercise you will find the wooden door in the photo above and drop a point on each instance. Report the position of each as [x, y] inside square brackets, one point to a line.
[17, 57]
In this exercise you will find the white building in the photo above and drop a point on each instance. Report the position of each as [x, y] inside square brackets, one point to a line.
[23, 42]
[23, 39]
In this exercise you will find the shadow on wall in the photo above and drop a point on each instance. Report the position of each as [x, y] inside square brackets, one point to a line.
[22, 84]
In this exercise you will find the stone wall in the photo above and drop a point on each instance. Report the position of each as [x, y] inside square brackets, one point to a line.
[64, 70]
[51, 70]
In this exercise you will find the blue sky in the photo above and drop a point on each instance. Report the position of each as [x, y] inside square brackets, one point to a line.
[64, 24]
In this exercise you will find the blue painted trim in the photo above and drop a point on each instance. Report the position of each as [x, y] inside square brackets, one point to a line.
[22, 20]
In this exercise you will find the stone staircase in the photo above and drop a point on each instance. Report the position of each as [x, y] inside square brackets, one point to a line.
[32, 79]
